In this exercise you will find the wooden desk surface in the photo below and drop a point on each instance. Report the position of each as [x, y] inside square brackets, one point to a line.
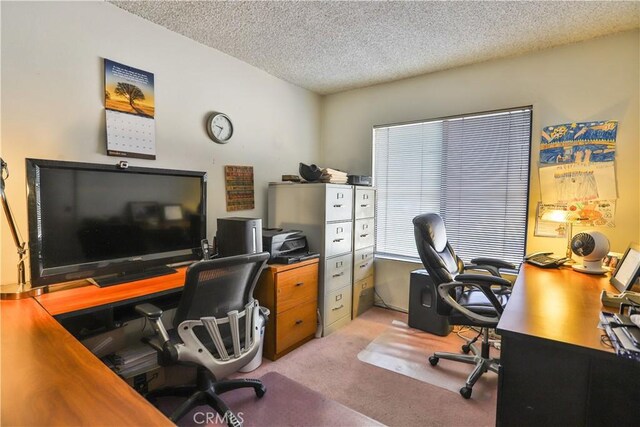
[556, 304]
[49, 378]
[70, 300]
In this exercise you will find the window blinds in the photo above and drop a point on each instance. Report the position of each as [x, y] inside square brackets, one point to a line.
[473, 170]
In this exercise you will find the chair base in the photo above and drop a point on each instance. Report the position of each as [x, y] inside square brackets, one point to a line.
[207, 392]
[483, 363]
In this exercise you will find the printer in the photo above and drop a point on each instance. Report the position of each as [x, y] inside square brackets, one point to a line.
[286, 246]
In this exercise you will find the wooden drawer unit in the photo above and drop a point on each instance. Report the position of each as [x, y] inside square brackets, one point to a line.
[291, 293]
[295, 287]
[294, 325]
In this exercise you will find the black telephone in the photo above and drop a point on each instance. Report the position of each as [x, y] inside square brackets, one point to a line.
[206, 249]
[542, 259]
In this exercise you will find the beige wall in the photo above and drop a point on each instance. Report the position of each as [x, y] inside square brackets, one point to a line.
[52, 106]
[593, 80]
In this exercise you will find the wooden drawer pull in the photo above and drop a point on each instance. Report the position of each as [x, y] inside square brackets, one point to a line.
[298, 322]
[337, 308]
[299, 283]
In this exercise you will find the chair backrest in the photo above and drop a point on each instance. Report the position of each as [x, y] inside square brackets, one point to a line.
[437, 255]
[217, 312]
[215, 287]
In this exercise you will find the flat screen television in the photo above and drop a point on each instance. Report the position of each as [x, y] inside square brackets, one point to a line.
[111, 224]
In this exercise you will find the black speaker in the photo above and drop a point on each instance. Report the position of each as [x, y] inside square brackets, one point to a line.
[237, 236]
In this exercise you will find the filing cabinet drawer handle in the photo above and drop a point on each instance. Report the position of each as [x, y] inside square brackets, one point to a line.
[298, 322]
[299, 283]
[364, 265]
[364, 206]
[337, 240]
[338, 308]
[364, 235]
[339, 274]
[337, 206]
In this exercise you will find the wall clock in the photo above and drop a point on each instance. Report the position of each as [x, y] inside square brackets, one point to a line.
[219, 127]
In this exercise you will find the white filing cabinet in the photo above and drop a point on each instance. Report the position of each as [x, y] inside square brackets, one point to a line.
[324, 212]
[364, 199]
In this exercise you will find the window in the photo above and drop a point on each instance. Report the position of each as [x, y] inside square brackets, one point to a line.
[473, 170]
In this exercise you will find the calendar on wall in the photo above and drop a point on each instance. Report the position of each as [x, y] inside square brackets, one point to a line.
[130, 110]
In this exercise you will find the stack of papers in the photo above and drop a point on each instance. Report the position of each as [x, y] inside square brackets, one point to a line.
[135, 360]
[333, 176]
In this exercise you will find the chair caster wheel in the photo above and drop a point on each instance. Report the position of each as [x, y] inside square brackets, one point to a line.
[261, 391]
[433, 360]
[466, 348]
[465, 392]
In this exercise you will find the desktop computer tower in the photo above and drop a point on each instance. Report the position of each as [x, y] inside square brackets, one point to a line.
[236, 236]
[423, 300]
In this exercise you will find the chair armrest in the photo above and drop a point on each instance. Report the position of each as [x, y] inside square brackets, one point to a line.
[484, 286]
[492, 270]
[149, 311]
[154, 315]
[494, 262]
[482, 278]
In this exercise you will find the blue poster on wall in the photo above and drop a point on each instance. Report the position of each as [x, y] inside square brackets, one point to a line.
[577, 162]
[587, 142]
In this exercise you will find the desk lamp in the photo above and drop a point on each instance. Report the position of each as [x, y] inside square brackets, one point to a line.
[21, 289]
[567, 217]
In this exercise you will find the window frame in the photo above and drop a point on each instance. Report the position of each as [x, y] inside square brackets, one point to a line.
[411, 259]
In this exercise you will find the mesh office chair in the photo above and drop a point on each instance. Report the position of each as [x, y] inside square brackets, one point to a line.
[466, 299]
[217, 327]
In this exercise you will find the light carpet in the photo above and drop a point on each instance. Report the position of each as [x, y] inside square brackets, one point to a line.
[405, 350]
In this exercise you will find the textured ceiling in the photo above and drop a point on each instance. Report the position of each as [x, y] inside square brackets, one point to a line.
[331, 46]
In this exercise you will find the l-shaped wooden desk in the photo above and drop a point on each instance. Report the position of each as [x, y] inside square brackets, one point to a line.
[50, 378]
[555, 370]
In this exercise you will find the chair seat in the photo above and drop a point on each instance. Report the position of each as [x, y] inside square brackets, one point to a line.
[477, 302]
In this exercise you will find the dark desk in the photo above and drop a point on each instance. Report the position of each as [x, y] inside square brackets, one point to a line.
[554, 368]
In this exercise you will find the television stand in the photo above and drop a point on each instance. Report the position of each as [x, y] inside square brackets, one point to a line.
[117, 279]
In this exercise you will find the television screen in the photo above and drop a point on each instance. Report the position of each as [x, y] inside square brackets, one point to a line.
[89, 220]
